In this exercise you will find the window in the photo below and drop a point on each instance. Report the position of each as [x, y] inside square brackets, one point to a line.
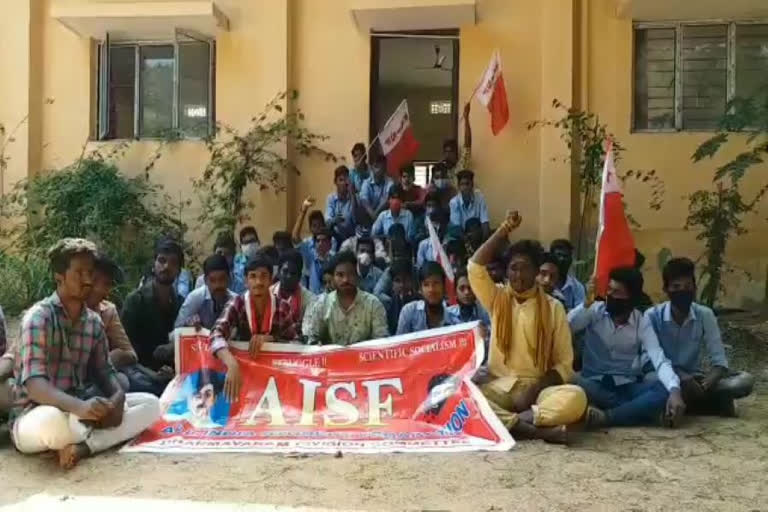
[156, 90]
[423, 69]
[685, 74]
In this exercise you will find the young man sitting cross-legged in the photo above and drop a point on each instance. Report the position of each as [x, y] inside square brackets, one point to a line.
[531, 356]
[63, 350]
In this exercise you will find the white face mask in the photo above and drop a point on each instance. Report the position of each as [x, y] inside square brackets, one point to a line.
[250, 249]
[364, 259]
[442, 183]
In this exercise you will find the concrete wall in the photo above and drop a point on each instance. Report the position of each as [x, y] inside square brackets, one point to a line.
[578, 51]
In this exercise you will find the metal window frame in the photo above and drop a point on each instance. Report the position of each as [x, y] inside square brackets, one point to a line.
[104, 77]
[678, 26]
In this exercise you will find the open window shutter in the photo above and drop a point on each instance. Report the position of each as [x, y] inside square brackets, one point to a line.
[104, 76]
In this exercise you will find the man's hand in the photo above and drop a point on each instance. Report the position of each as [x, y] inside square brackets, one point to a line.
[257, 341]
[232, 383]
[115, 416]
[692, 388]
[512, 222]
[675, 407]
[308, 203]
[590, 292]
[94, 409]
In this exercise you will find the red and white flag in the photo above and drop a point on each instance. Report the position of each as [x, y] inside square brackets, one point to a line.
[397, 140]
[615, 245]
[442, 259]
[493, 94]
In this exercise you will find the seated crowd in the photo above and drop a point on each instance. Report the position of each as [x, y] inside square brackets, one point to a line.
[82, 378]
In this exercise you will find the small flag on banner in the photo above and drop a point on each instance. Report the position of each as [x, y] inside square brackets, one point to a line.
[397, 141]
[442, 259]
[493, 94]
[615, 245]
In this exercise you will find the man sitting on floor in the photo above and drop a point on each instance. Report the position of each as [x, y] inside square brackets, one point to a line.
[346, 315]
[63, 348]
[531, 357]
[430, 312]
[369, 274]
[203, 305]
[469, 203]
[570, 287]
[616, 334]
[401, 294]
[292, 300]
[683, 328]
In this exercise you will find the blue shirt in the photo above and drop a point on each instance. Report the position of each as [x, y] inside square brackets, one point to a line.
[236, 277]
[462, 211]
[307, 249]
[616, 350]
[335, 206]
[368, 283]
[199, 303]
[386, 220]
[183, 283]
[682, 343]
[314, 281]
[373, 194]
[413, 318]
[478, 313]
[357, 178]
[573, 292]
[424, 253]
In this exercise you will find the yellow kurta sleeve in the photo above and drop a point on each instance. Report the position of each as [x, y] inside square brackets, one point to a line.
[482, 284]
[562, 350]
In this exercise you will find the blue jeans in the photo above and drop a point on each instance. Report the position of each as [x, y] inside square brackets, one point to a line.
[636, 403]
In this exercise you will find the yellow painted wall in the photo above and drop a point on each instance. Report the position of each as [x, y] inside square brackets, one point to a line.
[609, 92]
[575, 50]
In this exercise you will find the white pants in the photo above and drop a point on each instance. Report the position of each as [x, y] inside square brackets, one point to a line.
[47, 428]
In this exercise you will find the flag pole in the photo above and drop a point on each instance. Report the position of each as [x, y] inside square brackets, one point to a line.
[601, 221]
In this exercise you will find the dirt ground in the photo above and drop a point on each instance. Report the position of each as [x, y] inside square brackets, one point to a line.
[709, 464]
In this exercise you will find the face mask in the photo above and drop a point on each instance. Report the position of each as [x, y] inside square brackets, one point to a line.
[616, 306]
[681, 299]
[564, 262]
[364, 259]
[395, 205]
[251, 249]
[442, 183]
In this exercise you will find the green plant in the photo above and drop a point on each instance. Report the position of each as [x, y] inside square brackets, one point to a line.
[92, 199]
[719, 214]
[25, 280]
[258, 156]
[585, 136]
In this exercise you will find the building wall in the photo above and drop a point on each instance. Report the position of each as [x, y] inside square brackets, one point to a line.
[578, 51]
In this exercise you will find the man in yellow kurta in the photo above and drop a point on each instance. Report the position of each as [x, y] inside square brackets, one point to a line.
[531, 355]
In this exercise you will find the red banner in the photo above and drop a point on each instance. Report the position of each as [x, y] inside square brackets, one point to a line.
[409, 393]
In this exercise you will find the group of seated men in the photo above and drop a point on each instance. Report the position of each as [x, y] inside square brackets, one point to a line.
[83, 378]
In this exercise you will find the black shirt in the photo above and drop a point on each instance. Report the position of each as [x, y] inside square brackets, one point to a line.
[148, 322]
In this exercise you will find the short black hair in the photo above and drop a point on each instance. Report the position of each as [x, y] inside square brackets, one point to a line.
[631, 278]
[465, 174]
[400, 245]
[561, 243]
[328, 267]
[439, 167]
[439, 215]
[677, 268]
[340, 171]
[358, 146]
[396, 230]
[261, 260]
[107, 266]
[431, 269]
[282, 236]
[269, 251]
[364, 240]
[532, 249]
[316, 215]
[292, 256]
[408, 169]
[168, 245]
[248, 230]
[472, 223]
[224, 239]
[342, 258]
[323, 231]
[395, 191]
[457, 247]
[401, 267]
[548, 257]
[461, 272]
[450, 144]
[215, 262]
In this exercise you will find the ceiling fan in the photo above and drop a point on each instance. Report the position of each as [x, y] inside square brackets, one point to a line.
[439, 61]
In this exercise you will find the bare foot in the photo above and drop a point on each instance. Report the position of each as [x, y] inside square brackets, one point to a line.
[555, 435]
[70, 455]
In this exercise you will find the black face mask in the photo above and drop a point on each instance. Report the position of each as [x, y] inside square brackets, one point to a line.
[681, 300]
[616, 307]
[564, 262]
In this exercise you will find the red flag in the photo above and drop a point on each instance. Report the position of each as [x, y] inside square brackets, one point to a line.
[442, 259]
[397, 140]
[615, 246]
[493, 94]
